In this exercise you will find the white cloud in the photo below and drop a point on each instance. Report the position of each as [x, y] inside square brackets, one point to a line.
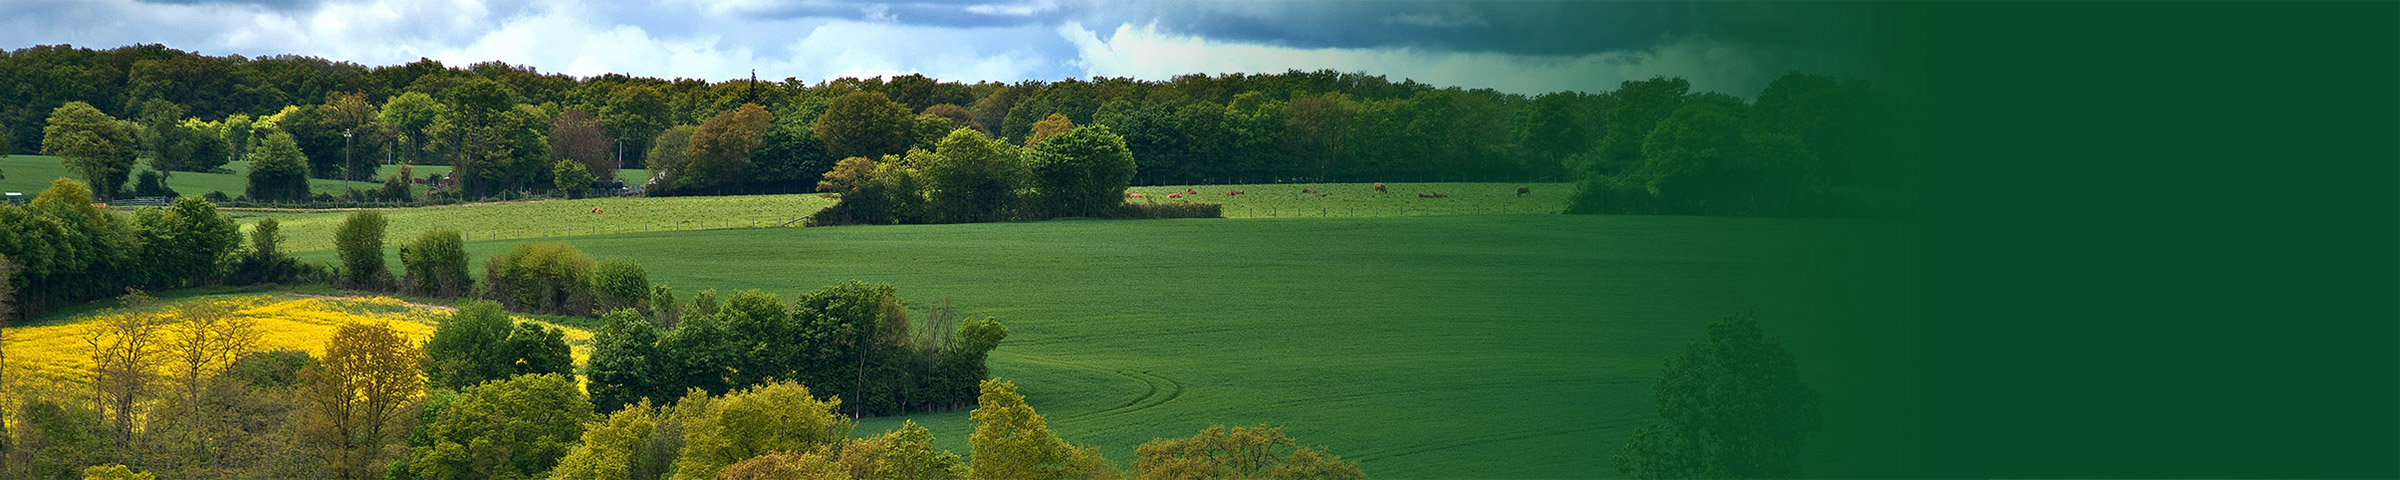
[1147, 53]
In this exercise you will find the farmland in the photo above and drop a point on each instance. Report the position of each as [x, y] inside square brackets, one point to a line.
[1454, 346]
[32, 173]
[52, 356]
[1361, 199]
[307, 230]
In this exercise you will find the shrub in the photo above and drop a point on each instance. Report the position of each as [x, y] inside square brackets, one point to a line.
[359, 241]
[151, 184]
[265, 262]
[436, 264]
[550, 278]
[1168, 210]
[571, 178]
[620, 283]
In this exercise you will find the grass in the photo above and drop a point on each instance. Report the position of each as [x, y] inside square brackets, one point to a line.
[307, 230]
[31, 174]
[52, 356]
[1361, 199]
[1482, 346]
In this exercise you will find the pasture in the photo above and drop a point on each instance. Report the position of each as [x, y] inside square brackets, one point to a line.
[1361, 199]
[306, 230]
[32, 173]
[1489, 346]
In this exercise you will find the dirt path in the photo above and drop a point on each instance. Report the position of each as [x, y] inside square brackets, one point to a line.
[427, 306]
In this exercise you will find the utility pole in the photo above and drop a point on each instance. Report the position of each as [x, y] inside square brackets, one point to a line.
[347, 166]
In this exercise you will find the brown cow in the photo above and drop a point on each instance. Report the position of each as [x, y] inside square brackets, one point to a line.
[1174, 195]
[1523, 191]
[1191, 191]
[1379, 188]
[1132, 195]
[1308, 190]
[1427, 195]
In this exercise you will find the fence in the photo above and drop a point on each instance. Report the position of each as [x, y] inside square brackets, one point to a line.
[618, 228]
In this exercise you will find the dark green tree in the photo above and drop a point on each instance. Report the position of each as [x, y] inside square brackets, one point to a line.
[1081, 172]
[974, 178]
[1732, 406]
[620, 283]
[185, 243]
[359, 242]
[436, 264]
[512, 429]
[467, 348]
[864, 124]
[626, 364]
[278, 172]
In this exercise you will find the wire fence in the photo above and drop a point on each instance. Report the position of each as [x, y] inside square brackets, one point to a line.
[614, 228]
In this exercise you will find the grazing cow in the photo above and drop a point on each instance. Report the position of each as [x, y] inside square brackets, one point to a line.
[1379, 188]
[1425, 195]
[1320, 194]
[595, 209]
[1440, 195]
[1132, 195]
[1191, 191]
[1308, 190]
[1523, 191]
[1174, 195]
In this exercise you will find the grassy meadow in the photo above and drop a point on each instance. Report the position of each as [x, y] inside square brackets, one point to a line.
[32, 173]
[1508, 346]
[306, 230]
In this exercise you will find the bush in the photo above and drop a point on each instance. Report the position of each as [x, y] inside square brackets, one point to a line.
[1611, 194]
[359, 241]
[550, 278]
[571, 178]
[436, 264]
[152, 184]
[1168, 210]
[620, 284]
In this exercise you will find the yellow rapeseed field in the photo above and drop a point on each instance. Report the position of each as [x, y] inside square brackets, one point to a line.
[57, 359]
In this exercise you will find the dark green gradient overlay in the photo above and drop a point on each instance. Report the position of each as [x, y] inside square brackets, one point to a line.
[2157, 239]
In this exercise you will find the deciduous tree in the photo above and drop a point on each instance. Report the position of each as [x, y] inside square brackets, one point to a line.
[1013, 442]
[577, 136]
[773, 417]
[278, 172]
[92, 144]
[1259, 452]
[128, 350]
[367, 378]
[1080, 172]
[509, 429]
[864, 124]
[1732, 406]
[721, 147]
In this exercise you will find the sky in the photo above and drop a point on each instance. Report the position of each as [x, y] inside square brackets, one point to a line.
[1528, 47]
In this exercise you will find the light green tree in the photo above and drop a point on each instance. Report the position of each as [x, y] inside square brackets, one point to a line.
[909, 454]
[773, 417]
[974, 178]
[278, 171]
[1082, 171]
[92, 144]
[1259, 452]
[571, 178]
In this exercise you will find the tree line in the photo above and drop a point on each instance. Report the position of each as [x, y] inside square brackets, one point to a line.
[508, 128]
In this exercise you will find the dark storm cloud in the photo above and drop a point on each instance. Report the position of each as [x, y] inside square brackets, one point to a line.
[1540, 27]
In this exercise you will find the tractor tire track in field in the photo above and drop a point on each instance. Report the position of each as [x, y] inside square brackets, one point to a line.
[1158, 389]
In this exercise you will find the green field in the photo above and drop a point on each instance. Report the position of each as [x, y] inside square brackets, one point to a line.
[32, 173]
[306, 230]
[1483, 346]
[1361, 199]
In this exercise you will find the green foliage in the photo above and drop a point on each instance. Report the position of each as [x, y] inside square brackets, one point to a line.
[613, 448]
[150, 183]
[864, 124]
[1259, 452]
[669, 153]
[909, 454]
[270, 369]
[621, 284]
[773, 417]
[720, 149]
[663, 307]
[570, 178]
[265, 261]
[360, 243]
[57, 440]
[1081, 172]
[278, 172]
[411, 113]
[789, 157]
[550, 278]
[577, 136]
[540, 350]
[1731, 407]
[627, 365]
[115, 472]
[974, 178]
[467, 348]
[1635, 108]
[92, 144]
[510, 429]
[1013, 442]
[1053, 125]
[436, 264]
[185, 243]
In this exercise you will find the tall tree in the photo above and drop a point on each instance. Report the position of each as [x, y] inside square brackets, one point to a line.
[360, 123]
[367, 378]
[626, 366]
[1013, 442]
[669, 153]
[864, 124]
[410, 114]
[636, 114]
[975, 178]
[577, 136]
[1083, 171]
[278, 172]
[513, 428]
[773, 417]
[92, 144]
[128, 349]
[721, 147]
[359, 243]
[1635, 108]
[1732, 406]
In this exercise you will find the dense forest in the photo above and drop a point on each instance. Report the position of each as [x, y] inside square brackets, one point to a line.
[1807, 144]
